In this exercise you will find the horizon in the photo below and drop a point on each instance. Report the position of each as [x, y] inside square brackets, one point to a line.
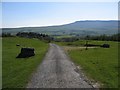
[31, 14]
[59, 25]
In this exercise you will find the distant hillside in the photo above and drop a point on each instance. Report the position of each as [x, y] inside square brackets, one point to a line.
[78, 28]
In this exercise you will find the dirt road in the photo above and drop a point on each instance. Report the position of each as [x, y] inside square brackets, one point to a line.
[57, 71]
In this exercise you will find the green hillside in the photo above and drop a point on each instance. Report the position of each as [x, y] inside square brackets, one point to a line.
[100, 64]
[81, 28]
[17, 71]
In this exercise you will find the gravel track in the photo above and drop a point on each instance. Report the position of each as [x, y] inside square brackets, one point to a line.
[58, 71]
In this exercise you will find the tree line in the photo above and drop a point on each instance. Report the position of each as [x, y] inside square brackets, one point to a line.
[40, 36]
[7, 35]
[115, 37]
[30, 35]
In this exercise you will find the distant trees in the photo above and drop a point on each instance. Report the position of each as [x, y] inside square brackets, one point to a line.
[69, 39]
[115, 37]
[30, 35]
[35, 35]
[7, 35]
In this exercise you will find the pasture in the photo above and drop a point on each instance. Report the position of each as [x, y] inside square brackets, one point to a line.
[99, 64]
[17, 71]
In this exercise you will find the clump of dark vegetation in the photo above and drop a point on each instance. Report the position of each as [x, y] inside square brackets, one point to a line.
[7, 35]
[70, 39]
[35, 35]
[114, 37]
[94, 45]
[40, 36]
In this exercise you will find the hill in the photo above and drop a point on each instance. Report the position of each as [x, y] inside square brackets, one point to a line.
[79, 28]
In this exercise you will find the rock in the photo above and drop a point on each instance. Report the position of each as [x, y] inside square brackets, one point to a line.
[105, 46]
[26, 52]
[17, 44]
[96, 85]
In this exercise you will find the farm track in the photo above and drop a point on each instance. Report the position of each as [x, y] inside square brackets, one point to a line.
[58, 71]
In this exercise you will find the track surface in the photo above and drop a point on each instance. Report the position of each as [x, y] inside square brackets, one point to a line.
[57, 71]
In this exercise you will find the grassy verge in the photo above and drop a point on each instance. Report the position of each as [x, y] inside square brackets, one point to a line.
[100, 64]
[63, 36]
[17, 72]
[0, 62]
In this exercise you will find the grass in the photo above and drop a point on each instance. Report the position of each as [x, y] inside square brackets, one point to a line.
[17, 72]
[100, 64]
[81, 43]
[75, 43]
[0, 62]
[64, 36]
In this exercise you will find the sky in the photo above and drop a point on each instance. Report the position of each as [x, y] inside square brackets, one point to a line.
[31, 14]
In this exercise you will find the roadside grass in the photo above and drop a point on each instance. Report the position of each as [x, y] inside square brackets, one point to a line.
[75, 43]
[0, 62]
[99, 64]
[16, 72]
[81, 43]
[63, 36]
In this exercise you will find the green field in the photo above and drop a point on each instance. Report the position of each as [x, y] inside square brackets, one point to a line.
[0, 63]
[63, 36]
[17, 72]
[100, 64]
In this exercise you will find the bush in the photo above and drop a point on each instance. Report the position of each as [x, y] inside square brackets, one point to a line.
[7, 35]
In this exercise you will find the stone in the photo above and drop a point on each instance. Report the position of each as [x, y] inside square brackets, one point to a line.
[105, 46]
[26, 52]
[17, 44]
